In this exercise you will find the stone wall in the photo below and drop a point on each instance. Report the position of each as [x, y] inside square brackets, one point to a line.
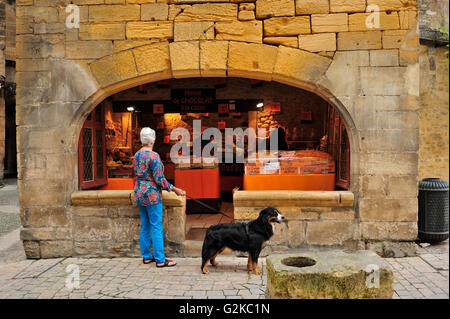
[369, 75]
[434, 101]
[100, 224]
[2, 78]
[313, 218]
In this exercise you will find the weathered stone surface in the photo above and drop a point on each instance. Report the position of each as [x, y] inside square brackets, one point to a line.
[286, 26]
[347, 5]
[389, 231]
[381, 79]
[359, 40]
[407, 19]
[209, 12]
[386, 5]
[185, 59]
[358, 22]
[336, 22]
[155, 11]
[32, 249]
[56, 248]
[312, 6]
[317, 42]
[251, 60]
[269, 8]
[330, 232]
[102, 31]
[92, 229]
[213, 58]
[384, 58]
[295, 233]
[286, 41]
[246, 15]
[390, 249]
[334, 274]
[246, 31]
[393, 210]
[393, 39]
[295, 65]
[108, 13]
[157, 29]
[88, 49]
[114, 68]
[185, 31]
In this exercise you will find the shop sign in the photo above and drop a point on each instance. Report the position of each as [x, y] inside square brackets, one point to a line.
[194, 100]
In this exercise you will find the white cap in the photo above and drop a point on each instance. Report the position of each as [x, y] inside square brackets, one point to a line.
[148, 136]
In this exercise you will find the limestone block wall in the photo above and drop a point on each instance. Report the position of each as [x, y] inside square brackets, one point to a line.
[369, 74]
[434, 108]
[100, 224]
[313, 218]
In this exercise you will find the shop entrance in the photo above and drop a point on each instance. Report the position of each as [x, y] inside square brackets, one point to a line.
[313, 146]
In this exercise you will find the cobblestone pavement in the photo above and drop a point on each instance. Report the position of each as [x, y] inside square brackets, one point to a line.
[424, 276]
[102, 278]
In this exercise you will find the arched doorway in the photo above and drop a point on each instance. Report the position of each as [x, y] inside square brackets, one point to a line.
[316, 155]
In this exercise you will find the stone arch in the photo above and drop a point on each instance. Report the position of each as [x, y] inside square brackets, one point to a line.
[187, 59]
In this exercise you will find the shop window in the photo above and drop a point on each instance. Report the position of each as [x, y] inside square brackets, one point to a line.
[91, 151]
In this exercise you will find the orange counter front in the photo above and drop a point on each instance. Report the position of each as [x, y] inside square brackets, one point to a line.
[312, 182]
[119, 184]
[199, 183]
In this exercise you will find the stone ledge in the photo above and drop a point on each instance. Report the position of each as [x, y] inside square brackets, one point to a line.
[119, 197]
[294, 198]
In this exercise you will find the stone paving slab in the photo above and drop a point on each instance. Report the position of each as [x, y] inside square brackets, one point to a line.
[104, 278]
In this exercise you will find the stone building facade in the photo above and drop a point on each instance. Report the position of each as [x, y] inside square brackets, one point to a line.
[434, 84]
[332, 48]
[2, 82]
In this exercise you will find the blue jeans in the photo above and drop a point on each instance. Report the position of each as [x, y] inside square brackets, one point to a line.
[151, 221]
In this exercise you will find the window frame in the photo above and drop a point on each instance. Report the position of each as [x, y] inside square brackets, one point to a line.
[92, 123]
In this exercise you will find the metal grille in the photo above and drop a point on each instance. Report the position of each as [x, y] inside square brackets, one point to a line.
[88, 174]
[99, 153]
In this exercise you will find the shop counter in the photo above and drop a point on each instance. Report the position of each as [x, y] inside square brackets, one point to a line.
[311, 182]
[119, 184]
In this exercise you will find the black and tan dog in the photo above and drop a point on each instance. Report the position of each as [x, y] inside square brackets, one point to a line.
[250, 237]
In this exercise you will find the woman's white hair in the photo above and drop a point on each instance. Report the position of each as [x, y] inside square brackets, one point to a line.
[148, 136]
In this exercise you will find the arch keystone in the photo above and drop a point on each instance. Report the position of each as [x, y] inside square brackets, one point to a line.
[185, 59]
[213, 58]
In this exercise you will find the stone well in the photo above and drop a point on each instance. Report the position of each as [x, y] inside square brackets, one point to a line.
[329, 274]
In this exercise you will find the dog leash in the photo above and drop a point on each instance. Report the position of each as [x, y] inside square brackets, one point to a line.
[207, 206]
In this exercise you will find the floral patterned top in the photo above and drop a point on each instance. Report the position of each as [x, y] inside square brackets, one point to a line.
[150, 179]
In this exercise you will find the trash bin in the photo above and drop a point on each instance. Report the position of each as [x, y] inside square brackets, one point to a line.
[433, 210]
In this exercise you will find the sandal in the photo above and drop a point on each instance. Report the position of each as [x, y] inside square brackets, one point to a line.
[148, 261]
[166, 264]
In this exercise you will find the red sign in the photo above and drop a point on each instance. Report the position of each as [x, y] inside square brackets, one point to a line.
[160, 126]
[221, 125]
[306, 115]
[223, 108]
[167, 139]
[158, 108]
[275, 107]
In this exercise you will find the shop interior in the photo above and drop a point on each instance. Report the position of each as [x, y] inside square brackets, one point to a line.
[313, 143]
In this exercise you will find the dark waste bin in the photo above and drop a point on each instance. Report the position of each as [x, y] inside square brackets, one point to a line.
[433, 210]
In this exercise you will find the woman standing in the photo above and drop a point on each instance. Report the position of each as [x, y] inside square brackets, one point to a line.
[150, 180]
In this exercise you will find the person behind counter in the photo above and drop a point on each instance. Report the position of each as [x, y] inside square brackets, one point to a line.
[150, 181]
